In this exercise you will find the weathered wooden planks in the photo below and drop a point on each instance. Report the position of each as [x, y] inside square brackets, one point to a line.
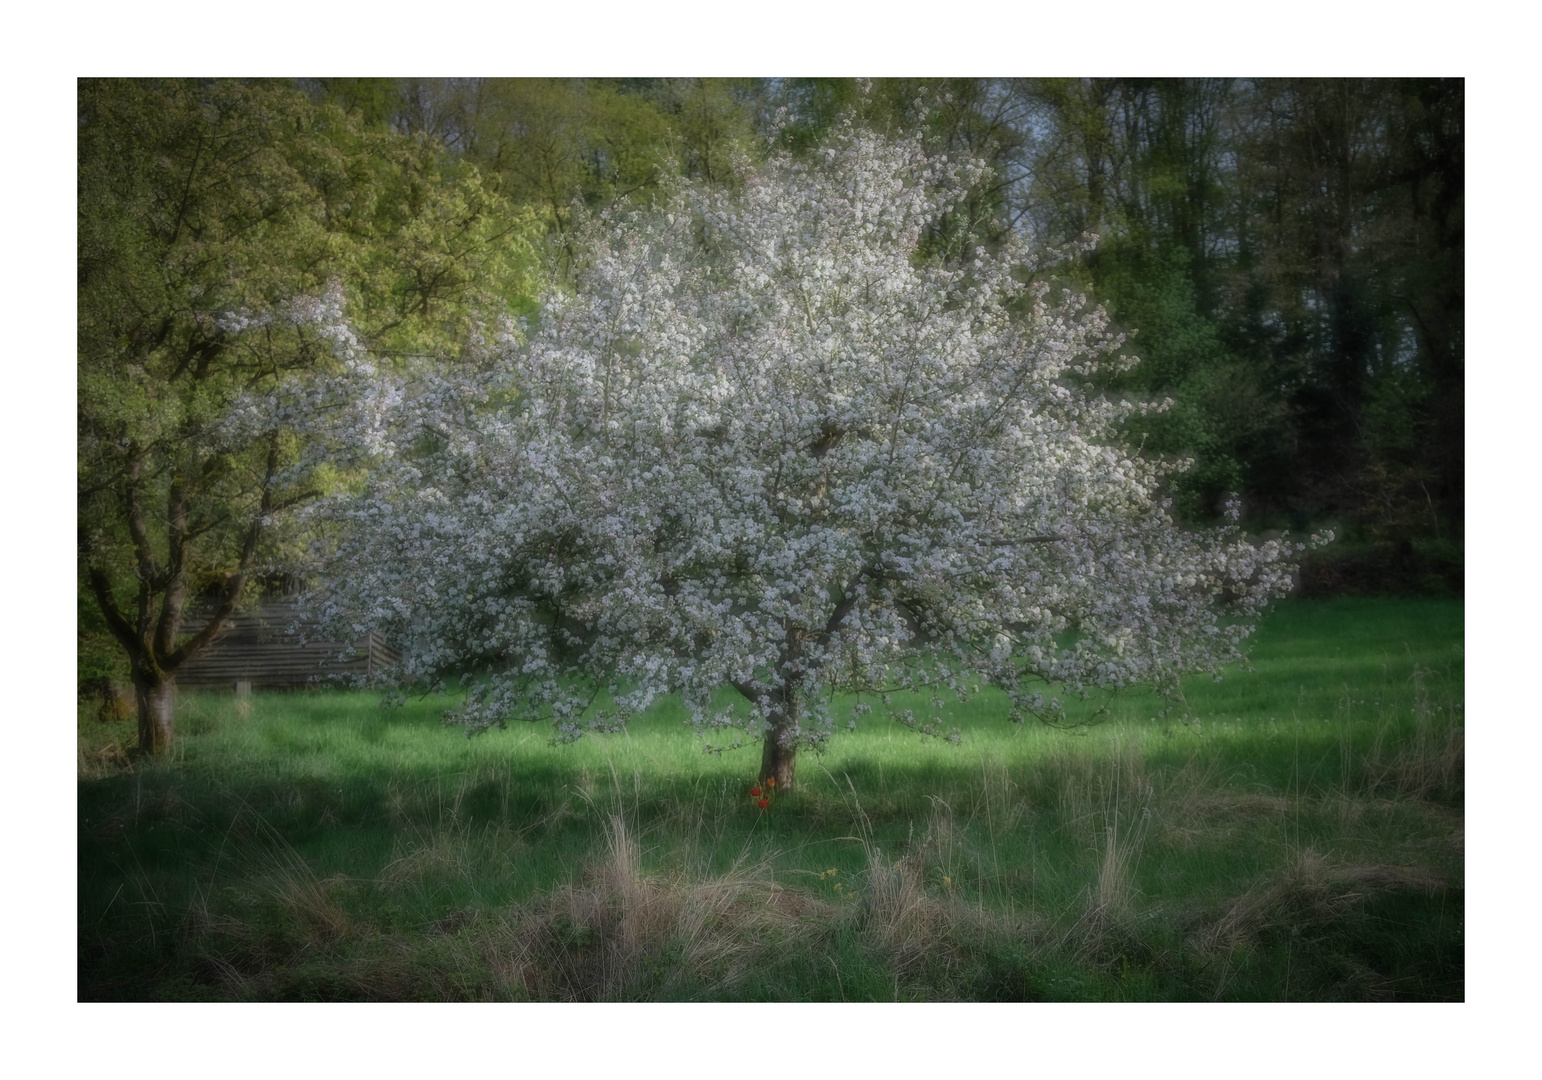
[263, 647]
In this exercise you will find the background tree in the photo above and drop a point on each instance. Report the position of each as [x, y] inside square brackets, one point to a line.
[551, 144]
[1265, 237]
[1353, 213]
[766, 444]
[1140, 163]
[206, 209]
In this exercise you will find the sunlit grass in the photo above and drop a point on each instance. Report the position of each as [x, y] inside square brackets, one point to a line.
[1293, 831]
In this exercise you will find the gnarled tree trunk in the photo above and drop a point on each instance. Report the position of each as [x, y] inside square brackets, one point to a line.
[157, 701]
[153, 661]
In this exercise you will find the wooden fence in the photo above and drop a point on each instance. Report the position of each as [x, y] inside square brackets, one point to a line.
[257, 648]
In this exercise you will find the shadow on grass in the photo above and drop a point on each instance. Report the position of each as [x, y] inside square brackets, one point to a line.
[1290, 838]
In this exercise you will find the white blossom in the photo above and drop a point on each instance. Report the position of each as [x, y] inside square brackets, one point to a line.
[764, 444]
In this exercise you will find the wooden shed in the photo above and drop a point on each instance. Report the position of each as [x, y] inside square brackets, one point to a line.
[257, 649]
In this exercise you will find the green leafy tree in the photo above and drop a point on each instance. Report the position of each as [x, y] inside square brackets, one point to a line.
[208, 213]
[553, 144]
[1350, 244]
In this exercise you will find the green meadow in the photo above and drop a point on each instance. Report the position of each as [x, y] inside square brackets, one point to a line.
[1293, 832]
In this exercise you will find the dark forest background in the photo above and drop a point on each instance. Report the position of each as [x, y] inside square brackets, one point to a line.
[1288, 251]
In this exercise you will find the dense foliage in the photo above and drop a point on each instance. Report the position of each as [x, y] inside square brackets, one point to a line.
[763, 444]
[1289, 251]
[212, 216]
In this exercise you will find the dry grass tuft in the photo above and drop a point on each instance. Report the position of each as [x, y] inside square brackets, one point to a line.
[1311, 892]
[1431, 766]
[281, 875]
[622, 934]
[308, 896]
[1121, 811]
[619, 934]
[901, 921]
[100, 762]
[425, 853]
[1124, 814]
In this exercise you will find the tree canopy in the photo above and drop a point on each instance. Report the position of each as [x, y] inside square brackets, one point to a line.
[767, 442]
[1288, 251]
[208, 213]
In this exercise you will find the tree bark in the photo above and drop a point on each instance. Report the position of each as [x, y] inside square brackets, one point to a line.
[778, 759]
[779, 752]
[156, 698]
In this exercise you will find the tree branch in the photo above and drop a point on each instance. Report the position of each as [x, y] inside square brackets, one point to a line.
[101, 587]
[174, 582]
[149, 572]
[848, 601]
[237, 580]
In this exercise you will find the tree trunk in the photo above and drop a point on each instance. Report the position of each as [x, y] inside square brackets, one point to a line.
[779, 751]
[776, 759]
[156, 699]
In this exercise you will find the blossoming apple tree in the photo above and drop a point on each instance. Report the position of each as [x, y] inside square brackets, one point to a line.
[765, 445]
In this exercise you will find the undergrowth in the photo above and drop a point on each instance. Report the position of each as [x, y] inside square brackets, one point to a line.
[1294, 832]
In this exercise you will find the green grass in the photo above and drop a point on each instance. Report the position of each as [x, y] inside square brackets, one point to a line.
[1293, 832]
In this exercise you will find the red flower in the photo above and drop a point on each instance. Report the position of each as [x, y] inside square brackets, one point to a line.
[755, 792]
[763, 803]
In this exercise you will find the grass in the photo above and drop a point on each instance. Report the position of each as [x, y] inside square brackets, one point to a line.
[1293, 832]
